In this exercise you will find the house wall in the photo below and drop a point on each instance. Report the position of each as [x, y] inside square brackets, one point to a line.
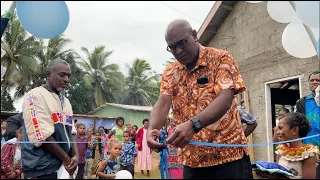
[96, 122]
[132, 117]
[254, 39]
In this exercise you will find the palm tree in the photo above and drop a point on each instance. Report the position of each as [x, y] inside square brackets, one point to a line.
[105, 78]
[53, 50]
[20, 50]
[142, 84]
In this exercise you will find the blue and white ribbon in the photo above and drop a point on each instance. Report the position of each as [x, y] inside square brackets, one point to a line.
[163, 156]
[254, 145]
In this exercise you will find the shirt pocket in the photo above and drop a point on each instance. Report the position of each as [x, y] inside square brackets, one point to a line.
[200, 90]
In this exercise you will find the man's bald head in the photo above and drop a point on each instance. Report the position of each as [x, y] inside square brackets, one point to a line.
[182, 42]
[178, 25]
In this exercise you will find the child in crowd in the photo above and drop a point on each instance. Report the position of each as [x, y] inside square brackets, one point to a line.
[128, 127]
[128, 154]
[133, 133]
[106, 144]
[174, 167]
[295, 156]
[88, 165]
[108, 167]
[82, 145]
[104, 138]
[11, 158]
[97, 152]
[281, 113]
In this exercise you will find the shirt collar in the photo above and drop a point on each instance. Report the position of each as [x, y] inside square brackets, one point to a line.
[310, 96]
[202, 60]
[81, 137]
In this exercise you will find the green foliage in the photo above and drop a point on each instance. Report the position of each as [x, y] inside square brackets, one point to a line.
[19, 58]
[78, 93]
[94, 81]
[142, 84]
[7, 102]
[105, 78]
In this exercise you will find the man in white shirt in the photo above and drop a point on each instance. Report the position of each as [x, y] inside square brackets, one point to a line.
[47, 116]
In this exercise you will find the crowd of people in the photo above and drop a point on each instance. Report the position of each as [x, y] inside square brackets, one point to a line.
[200, 87]
[102, 154]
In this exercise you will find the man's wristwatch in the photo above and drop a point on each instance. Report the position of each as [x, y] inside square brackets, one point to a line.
[196, 124]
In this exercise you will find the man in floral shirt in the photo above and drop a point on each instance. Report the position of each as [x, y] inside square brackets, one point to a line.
[200, 87]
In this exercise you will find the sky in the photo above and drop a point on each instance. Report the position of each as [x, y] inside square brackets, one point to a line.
[131, 29]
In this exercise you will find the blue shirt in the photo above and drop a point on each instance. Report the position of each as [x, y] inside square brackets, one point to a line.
[312, 111]
[246, 117]
[111, 167]
[127, 153]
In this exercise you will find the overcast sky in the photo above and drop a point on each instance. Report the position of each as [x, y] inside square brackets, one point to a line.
[131, 29]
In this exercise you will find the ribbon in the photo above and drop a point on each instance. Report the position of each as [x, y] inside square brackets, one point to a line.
[163, 156]
[244, 145]
[191, 142]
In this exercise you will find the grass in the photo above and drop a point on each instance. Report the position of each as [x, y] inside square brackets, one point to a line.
[154, 173]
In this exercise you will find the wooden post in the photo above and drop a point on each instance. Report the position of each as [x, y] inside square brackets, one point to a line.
[250, 141]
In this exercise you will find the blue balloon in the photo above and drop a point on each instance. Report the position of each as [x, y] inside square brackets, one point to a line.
[43, 19]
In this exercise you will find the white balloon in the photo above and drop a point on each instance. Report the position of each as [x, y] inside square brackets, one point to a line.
[254, 1]
[123, 174]
[297, 42]
[281, 11]
[308, 12]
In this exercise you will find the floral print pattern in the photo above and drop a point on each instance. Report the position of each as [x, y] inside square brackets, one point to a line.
[190, 97]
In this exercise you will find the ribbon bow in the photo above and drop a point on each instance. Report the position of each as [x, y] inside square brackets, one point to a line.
[163, 156]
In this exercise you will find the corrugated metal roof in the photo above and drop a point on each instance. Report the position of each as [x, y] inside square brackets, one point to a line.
[90, 116]
[6, 114]
[214, 20]
[123, 106]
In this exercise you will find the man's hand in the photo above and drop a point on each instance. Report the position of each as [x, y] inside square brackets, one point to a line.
[11, 175]
[112, 176]
[152, 136]
[73, 165]
[182, 135]
[66, 161]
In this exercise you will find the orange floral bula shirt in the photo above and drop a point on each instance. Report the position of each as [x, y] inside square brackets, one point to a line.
[189, 98]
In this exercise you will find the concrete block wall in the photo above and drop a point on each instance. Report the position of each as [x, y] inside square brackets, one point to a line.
[254, 39]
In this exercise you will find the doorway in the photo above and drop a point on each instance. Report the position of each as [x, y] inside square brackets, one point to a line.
[281, 93]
